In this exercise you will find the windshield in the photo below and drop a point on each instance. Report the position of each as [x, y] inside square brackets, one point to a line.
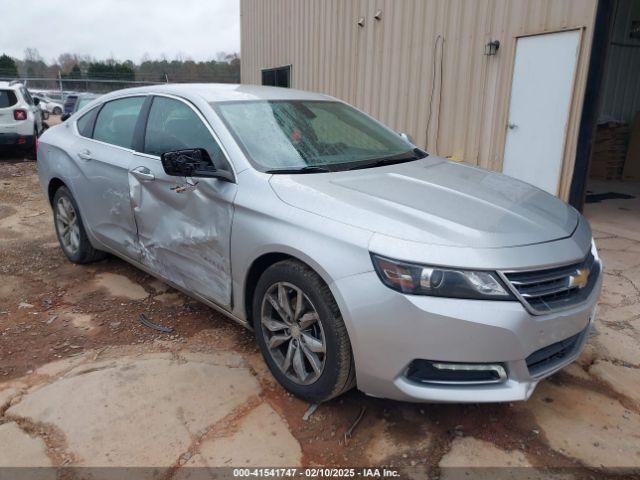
[290, 135]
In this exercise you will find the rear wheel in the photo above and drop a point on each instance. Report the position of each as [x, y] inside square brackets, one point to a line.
[70, 229]
[301, 333]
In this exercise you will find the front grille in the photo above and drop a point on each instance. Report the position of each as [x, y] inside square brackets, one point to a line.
[550, 357]
[544, 291]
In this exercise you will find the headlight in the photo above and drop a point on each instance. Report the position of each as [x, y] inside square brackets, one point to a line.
[440, 282]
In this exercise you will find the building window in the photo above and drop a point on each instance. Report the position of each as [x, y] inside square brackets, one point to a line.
[277, 77]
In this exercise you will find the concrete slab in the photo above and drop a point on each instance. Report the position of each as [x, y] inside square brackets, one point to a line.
[588, 426]
[615, 244]
[619, 259]
[471, 452]
[384, 446]
[120, 286]
[624, 380]
[261, 438]
[59, 367]
[627, 313]
[617, 291]
[21, 450]
[612, 216]
[6, 394]
[138, 411]
[618, 344]
[575, 370]
[478, 459]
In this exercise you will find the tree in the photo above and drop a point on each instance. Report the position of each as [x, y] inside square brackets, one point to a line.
[8, 67]
[75, 73]
[33, 65]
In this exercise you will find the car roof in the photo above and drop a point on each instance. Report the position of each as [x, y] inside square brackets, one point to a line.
[11, 85]
[224, 92]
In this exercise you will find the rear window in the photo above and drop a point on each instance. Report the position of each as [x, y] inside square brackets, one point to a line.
[7, 98]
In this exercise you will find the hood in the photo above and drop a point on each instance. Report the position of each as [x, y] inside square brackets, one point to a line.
[433, 201]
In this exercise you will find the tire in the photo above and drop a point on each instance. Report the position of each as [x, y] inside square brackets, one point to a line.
[75, 245]
[30, 152]
[57, 111]
[306, 335]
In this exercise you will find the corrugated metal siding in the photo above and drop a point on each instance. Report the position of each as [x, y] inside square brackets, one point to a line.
[389, 68]
[621, 94]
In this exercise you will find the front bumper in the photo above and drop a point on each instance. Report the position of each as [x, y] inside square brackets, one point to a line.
[388, 330]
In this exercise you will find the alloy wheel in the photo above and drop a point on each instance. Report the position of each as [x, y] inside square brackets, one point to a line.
[293, 333]
[67, 225]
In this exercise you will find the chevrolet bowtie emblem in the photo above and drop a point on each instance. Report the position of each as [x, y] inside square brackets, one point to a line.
[580, 278]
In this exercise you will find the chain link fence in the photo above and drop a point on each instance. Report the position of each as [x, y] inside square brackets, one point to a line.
[105, 85]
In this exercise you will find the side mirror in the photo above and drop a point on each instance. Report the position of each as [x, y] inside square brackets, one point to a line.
[65, 116]
[408, 138]
[192, 162]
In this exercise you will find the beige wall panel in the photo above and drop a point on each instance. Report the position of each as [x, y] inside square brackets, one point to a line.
[390, 67]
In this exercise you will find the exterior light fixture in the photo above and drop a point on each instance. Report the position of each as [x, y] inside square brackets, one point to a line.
[360, 22]
[378, 15]
[491, 48]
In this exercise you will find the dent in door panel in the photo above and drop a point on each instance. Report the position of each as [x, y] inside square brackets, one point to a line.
[183, 236]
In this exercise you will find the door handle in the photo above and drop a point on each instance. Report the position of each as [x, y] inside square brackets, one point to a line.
[143, 174]
[85, 155]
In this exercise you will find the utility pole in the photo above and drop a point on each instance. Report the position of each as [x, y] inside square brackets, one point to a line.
[61, 90]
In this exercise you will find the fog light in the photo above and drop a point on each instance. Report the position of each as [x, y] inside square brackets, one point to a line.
[425, 371]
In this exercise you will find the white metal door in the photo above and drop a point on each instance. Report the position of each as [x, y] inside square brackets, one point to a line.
[541, 94]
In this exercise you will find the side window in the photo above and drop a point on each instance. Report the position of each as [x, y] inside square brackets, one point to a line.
[116, 121]
[173, 125]
[7, 98]
[26, 96]
[85, 123]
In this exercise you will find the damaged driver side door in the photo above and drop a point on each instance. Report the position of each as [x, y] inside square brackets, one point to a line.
[184, 224]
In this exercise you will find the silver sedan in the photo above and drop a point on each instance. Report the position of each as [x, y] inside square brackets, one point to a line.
[356, 257]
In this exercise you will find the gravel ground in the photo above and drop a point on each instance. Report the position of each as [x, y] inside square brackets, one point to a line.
[62, 324]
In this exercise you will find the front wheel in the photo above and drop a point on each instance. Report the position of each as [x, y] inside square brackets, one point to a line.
[57, 111]
[301, 333]
[70, 229]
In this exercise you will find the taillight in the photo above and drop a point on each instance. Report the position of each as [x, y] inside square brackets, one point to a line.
[20, 114]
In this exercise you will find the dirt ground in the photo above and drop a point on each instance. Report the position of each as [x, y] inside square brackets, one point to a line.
[84, 383]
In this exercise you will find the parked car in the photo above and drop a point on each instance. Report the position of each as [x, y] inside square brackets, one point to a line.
[20, 118]
[49, 105]
[55, 95]
[356, 257]
[80, 101]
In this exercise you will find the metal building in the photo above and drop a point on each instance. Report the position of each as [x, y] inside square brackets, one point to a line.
[510, 85]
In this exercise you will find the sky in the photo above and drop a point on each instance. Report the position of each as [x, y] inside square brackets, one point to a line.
[124, 30]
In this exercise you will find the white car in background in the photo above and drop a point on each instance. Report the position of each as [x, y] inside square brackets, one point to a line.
[47, 104]
[20, 118]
